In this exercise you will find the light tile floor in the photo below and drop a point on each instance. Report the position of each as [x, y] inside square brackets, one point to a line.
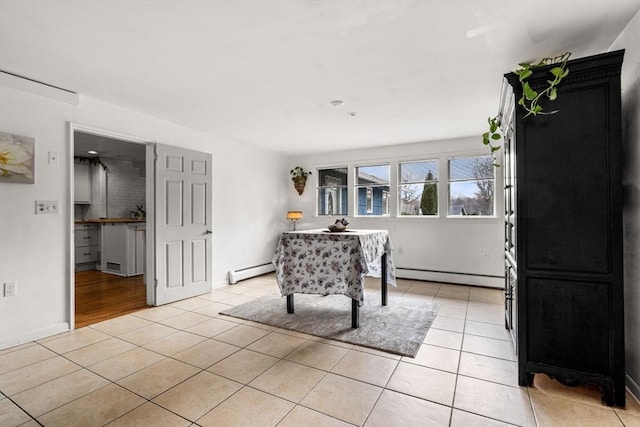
[185, 365]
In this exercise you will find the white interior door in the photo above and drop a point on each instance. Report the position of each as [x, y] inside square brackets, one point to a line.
[183, 203]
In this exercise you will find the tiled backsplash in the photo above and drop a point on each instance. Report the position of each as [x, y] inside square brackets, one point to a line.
[125, 188]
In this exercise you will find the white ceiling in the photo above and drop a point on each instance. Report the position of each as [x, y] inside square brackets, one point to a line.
[264, 72]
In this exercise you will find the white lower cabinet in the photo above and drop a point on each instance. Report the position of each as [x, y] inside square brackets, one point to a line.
[86, 245]
[123, 248]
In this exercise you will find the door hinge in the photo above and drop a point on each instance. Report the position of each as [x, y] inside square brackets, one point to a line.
[155, 156]
[155, 282]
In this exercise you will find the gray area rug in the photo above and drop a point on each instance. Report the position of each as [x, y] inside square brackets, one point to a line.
[399, 328]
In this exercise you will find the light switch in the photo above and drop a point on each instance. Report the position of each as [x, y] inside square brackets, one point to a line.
[54, 158]
[49, 207]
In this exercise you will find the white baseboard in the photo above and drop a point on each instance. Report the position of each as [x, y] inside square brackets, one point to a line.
[245, 273]
[633, 387]
[33, 335]
[448, 277]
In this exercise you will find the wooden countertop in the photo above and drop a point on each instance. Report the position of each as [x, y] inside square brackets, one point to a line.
[110, 220]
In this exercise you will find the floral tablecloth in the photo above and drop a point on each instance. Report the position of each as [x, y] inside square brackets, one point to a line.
[320, 262]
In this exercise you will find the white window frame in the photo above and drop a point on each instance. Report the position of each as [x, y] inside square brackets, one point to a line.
[356, 187]
[449, 181]
[437, 181]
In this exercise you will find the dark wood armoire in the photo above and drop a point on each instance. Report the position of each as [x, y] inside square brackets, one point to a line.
[563, 228]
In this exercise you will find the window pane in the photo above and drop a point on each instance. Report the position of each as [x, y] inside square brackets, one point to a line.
[418, 188]
[332, 201]
[471, 168]
[377, 200]
[368, 175]
[418, 171]
[372, 183]
[332, 177]
[471, 186]
[332, 191]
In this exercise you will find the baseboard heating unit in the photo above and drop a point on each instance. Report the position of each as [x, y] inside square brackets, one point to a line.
[245, 273]
[483, 280]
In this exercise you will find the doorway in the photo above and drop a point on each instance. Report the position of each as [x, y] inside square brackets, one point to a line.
[109, 228]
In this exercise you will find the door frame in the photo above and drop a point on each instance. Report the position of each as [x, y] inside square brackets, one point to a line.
[149, 188]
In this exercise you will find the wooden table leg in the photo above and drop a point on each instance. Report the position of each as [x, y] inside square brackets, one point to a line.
[383, 279]
[290, 304]
[355, 314]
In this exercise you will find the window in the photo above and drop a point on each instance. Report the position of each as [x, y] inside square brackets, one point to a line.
[332, 191]
[418, 188]
[371, 184]
[471, 186]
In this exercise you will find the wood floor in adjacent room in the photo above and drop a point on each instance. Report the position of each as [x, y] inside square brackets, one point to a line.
[101, 296]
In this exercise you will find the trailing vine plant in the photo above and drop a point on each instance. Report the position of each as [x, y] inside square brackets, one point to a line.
[530, 99]
[494, 135]
[93, 161]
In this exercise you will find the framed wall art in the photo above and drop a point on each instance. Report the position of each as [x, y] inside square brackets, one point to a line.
[17, 155]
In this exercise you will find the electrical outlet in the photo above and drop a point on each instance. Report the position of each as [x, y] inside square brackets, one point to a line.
[46, 207]
[10, 289]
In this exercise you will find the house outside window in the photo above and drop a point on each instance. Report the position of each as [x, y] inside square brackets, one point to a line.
[418, 188]
[332, 191]
[371, 183]
[471, 186]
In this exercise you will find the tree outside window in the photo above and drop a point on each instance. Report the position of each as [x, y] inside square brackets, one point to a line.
[471, 186]
[418, 188]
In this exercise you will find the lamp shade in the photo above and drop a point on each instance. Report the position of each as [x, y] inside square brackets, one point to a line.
[294, 215]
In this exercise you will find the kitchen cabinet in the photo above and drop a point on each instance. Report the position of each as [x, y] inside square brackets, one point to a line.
[82, 184]
[563, 228]
[123, 248]
[86, 244]
[136, 248]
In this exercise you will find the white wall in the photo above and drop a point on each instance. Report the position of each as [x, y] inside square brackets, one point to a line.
[454, 245]
[34, 250]
[628, 40]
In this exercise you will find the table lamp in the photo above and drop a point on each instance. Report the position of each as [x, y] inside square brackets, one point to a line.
[294, 216]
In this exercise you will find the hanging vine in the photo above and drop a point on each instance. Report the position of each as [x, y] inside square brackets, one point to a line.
[93, 161]
[530, 99]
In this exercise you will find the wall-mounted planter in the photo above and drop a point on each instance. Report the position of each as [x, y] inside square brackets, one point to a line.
[299, 178]
[299, 183]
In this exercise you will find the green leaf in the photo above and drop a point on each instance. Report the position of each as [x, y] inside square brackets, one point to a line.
[521, 101]
[525, 65]
[528, 92]
[495, 148]
[556, 71]
[525, 74]
[565, 74]
[496, 136]
[485, 138]
[493, 127]
[537, 109]
[553, 94]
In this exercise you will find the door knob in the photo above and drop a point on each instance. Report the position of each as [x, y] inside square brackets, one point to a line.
[208, 232]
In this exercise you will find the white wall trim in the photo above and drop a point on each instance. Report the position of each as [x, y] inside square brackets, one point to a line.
[634, 388]
[33, 335]
[451, 277]
[150, 275]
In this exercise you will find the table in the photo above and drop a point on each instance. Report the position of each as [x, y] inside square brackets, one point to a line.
[325, 263]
